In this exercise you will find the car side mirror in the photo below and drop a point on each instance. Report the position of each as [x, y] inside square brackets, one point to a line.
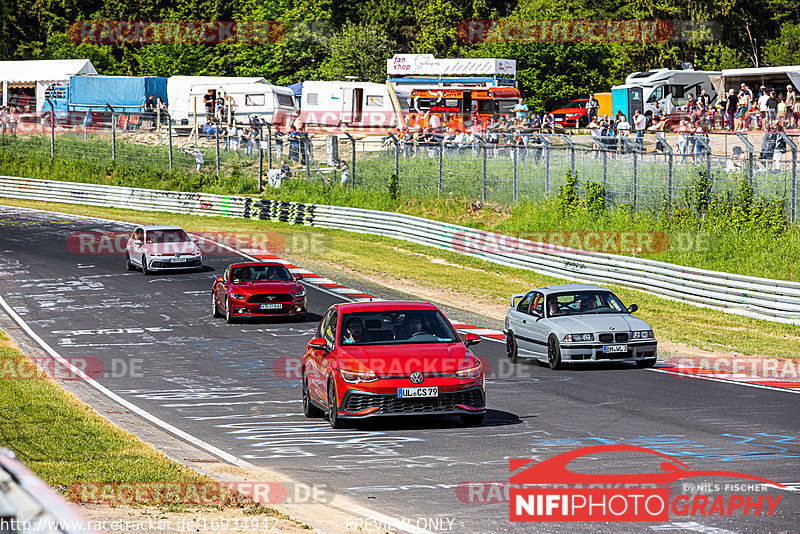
[632, 308]
[298, 276]
[471, 339]
[318, 343]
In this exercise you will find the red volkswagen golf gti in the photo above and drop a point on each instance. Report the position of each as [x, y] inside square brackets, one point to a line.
[258, 290]
[391, 358]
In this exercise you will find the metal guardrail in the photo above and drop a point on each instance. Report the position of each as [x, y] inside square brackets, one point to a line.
[762, 298]
[29, 505]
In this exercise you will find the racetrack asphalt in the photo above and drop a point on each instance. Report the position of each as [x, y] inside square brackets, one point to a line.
[236, 388]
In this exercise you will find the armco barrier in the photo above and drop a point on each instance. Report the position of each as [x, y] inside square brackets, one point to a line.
[27, 504]
[773, 300]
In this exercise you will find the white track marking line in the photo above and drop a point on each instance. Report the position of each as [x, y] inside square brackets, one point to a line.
[113, 396]
[676, 374]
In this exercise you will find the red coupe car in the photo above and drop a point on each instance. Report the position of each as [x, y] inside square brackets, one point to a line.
[391, 358]
[258, 290]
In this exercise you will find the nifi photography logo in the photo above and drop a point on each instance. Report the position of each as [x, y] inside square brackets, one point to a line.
[549, 491]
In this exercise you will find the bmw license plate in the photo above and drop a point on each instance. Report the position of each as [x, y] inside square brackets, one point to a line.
[271, 306]
[612, 349]
[417, 392]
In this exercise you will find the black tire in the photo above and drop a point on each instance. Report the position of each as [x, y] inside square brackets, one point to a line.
[511, 348]
[472, 419]
[554, 353]
[583, 121]
[309, 409]
[214, 306]
[333, 416]
[228, 317]
[145, 270]
[128, 264]
[645, 364]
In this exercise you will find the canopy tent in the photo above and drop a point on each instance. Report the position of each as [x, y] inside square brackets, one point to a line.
[769, 77]
[296, 88]
[40, 74]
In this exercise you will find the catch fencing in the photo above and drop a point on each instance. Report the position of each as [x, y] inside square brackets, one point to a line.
[499, 167]
[773, 300]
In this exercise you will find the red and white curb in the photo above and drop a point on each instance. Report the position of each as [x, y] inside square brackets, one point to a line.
[739, 378]
[354, 294]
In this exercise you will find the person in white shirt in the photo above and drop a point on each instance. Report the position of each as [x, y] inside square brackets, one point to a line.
[233, 137]
[435, 123]
[198, 157]
[596, 131]
[763, 108]
[623, 128]
[460, 141]
[639, 123]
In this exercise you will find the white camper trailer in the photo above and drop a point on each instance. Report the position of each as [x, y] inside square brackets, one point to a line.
[248, 97]
[670, 88]
[359, 105]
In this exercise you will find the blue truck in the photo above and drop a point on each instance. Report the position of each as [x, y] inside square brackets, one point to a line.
[94, 94]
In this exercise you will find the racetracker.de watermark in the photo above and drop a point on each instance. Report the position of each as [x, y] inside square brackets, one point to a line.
[210, 493]
[587, 31]
[71, 368]
[209, 243]
[736, 367]
[577, 242]
[146, 32]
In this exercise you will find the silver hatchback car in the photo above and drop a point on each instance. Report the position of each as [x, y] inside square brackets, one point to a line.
[576, 323]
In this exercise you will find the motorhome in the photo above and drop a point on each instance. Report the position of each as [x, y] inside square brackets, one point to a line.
[352, 104]
[248, 97]
[670, 88]
[777, 77]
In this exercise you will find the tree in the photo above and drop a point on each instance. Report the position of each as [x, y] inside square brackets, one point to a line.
[785, 50]
[359, 50]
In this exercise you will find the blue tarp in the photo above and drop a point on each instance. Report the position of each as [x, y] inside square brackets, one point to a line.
[297, 88]
[123, 93]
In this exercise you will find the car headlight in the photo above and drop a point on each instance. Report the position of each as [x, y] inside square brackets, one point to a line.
[354, 377]
[237, 296]
[300, 294]
[641, 334]
[472, 373]
[572, 338]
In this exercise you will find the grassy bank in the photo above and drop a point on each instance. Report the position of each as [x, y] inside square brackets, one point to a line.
[481, 287]
[65, 442]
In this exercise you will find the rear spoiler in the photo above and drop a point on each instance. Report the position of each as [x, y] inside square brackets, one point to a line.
[515, 298]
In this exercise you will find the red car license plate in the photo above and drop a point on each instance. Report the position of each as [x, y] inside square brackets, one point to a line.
[417, 392]
[271, 306]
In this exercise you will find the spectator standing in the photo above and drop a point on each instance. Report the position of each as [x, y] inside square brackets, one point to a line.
[780, 147]
[781, 110]
[772, 107]
[699, 134]
[704, 99]
[198, 157]
[12, 119]
[767, 147]
[596, 131]
[741, 110]
[658, 129]
[279, 142]
[791, 100]
[208, 102]
[233, 137]
[730, 110]
[3, 119]
[520, 111]
[435, 123]
[623, 129]
[593, 106]
[682, 141]
[763, 109]
[294, 144]
[639, 124]
[722, 108]
[345, 173]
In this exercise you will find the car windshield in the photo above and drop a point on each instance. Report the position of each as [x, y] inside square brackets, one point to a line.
[167, 236]
[260, 272]
[583, 302]
[396, 327]
[576, 104]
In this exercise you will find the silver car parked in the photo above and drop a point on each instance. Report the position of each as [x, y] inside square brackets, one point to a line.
[576, 323]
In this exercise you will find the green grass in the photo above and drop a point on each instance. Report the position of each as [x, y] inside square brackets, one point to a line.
[65, 442]
[431, 270]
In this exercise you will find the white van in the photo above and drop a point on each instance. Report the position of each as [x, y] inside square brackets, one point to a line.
[361, 105]
[251, 97]
[671, 88]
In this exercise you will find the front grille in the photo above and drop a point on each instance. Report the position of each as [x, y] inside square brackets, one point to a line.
[621, 337]
[391, 404]
[606, 338]
[278, 297]
[166, 264]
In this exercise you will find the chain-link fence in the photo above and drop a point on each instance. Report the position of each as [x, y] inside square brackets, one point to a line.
[500, 167]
